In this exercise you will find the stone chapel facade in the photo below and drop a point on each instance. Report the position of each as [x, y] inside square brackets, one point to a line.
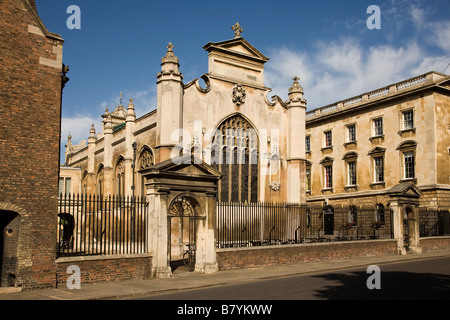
[229, 123]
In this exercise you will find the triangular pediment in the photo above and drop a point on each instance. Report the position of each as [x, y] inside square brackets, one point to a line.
[187, 165]
[407, 189]
[238, 46]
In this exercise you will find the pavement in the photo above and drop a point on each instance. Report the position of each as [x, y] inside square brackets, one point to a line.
[183, 280]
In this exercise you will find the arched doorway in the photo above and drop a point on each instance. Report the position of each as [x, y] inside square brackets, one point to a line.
[9, 238]
[328, 220]
[183, 216]
[407, 215]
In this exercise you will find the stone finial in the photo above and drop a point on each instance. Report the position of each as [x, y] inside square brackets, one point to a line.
[92, 131]
[108, 120]
[296, 87]
[296, 90]
[92, 136]
[130, 111]
[237, 30]
[131, 104]
[170, 57]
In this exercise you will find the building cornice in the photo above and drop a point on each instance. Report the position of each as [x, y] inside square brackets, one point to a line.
[399, 90]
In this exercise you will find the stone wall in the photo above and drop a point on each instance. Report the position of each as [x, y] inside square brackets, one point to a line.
[288, 254]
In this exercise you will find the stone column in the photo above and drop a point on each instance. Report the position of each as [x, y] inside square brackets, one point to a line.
[413, 231]
[129, 154]
[397, 225]
[108, 174]
[206, 238]
[169, 105]
[90, 177]
[158, 238]
[296, 154]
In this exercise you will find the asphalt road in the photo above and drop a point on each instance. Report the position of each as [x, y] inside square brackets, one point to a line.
[423, 279]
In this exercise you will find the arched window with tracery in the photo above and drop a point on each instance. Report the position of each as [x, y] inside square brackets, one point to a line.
[84, 183]
[119, 175]
[145, 161]
[100, 184]
[234, 153]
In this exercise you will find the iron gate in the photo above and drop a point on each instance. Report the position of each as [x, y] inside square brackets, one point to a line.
[183, 218]
[406, 212]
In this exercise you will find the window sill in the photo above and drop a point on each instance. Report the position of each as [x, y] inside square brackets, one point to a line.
[408, 180]
[330, 190]
[327, 148]
[401, 132]
[377, 137]
[375, 184]
[355, 187]
[350, 143]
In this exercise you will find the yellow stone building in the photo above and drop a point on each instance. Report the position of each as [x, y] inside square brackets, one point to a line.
[358, 149]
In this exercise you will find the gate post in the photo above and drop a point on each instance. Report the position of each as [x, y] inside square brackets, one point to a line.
[412, 213]
[206, 261]
[397, 226]
[158, 233]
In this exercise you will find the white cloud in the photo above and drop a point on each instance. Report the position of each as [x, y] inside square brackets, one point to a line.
[344, 68]
[78, 127]
[441, 37]
[144, 100]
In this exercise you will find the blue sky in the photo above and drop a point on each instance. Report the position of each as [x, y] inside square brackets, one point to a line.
[326, 43]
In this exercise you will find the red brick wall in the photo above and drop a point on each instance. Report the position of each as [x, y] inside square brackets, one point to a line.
[105, 269]
[30, 108]
[435, 243]
[273, 255]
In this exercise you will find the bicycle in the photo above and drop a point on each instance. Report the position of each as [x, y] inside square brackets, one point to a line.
[189, 256]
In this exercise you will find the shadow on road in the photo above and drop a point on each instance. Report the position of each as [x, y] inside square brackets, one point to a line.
[394, 286]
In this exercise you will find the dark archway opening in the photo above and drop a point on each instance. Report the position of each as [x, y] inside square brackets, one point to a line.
[328, 220]
[8, 245]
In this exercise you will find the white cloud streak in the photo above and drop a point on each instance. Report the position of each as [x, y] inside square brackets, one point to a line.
[344, 68]
[79, 125]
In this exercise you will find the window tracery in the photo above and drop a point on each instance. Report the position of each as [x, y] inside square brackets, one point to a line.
[234, 153]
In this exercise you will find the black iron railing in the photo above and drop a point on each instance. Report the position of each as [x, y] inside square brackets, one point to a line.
[98, 225]
[256, 224]
[253, 224]
[434, 222]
